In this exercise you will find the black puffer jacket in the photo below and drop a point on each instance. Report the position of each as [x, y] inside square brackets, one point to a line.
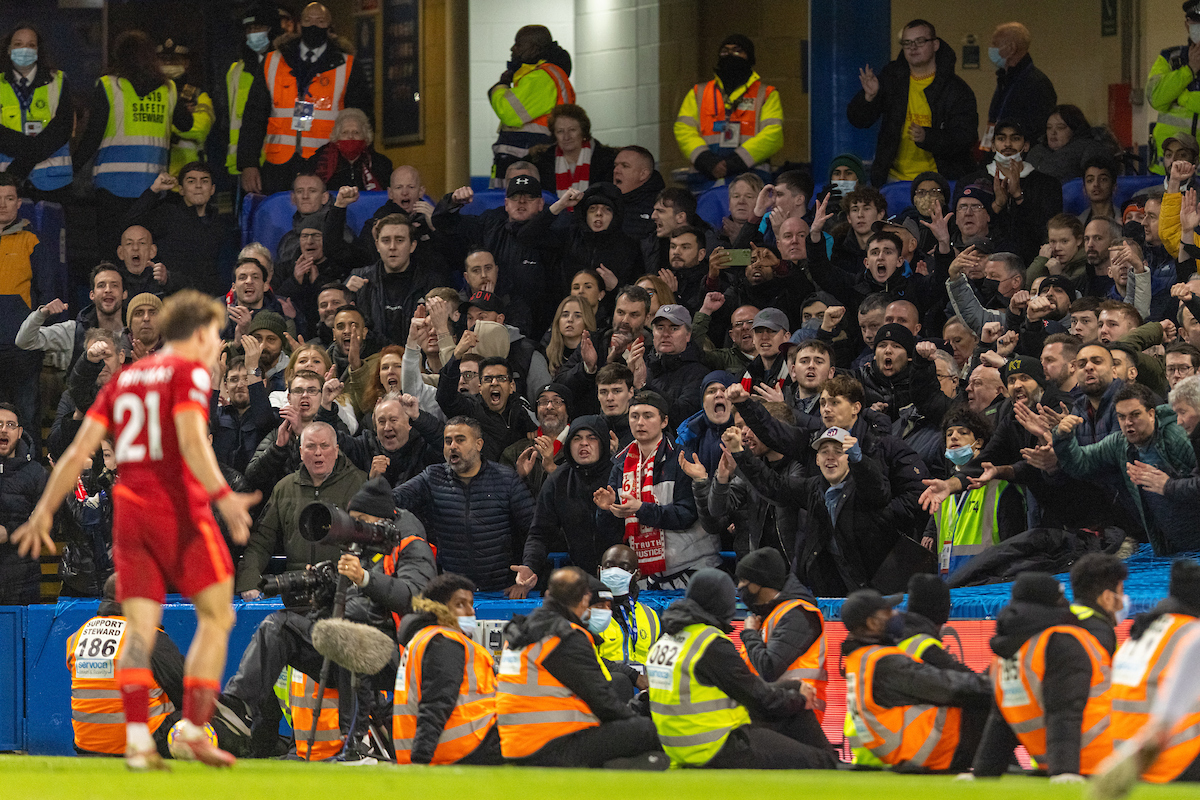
[565, 511]
[22, 479]
[478, 527]
[951, 103]
[1065, 689]
[639, 203]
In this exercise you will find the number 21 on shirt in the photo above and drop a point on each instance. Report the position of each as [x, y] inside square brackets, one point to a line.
[132, 414]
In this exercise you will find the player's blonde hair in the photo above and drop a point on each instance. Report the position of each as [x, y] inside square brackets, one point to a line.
[186, 311]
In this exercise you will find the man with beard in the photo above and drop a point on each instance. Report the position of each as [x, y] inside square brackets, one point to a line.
[1058, 363]
[673, 368]
[699, 436]
[742, 351]
[141, 330]
[536, 460]
[140, 272]
[332, 296]
[391, 449]
[690, 275]
[565, 513]
[269, 331]
[498, 409]
[810, 364]
[476, 512]
[62, 342]
[630, 317]
[24, 481]
[640, 183]
[734, 122]
[673, 209]
[246, 417]
[1098, 236]
[1046, 313]
[249, 298]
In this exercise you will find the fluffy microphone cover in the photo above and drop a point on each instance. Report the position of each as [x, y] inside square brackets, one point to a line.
[357, 647]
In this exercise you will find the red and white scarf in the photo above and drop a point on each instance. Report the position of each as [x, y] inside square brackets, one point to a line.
[566, 177]
[637, 478]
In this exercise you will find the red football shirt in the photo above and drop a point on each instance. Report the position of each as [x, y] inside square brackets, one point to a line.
[138, 407]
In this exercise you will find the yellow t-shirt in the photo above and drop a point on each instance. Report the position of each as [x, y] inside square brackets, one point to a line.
[911, 160]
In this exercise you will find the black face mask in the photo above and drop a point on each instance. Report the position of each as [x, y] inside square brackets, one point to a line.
[314, 36]
[989, 287]
[895, 628]
[746, 596]
[733, 71]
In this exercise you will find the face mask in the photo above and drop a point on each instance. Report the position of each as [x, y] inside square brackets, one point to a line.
[468, 625]
[1194, 31]
[995, 57]
[924, 205]
[173, 71]
[733, 71]
[844, 187]
[960, 455]
[1004, 161]
[23, 56]
[314, 36]
[746, 596]
[351, 148]
[1122, 613]
[258, 41]
[617, 580]
[812, 325]
[598, 620]
[987, 286]
[895, 628]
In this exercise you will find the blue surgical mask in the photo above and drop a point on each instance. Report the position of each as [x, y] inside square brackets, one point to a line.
[995, 57]
[258, 41]
[960, 455]
[468, 625]
[844, 187]
[1122, 613]
[617, 580]
[23, 56]
[598, 620]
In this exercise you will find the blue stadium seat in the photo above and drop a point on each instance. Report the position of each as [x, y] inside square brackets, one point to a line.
[712, 205]
[898, 196]
[1074, 200]
[50, 259]
[269, 219]
[362, 210]
[1129, 185]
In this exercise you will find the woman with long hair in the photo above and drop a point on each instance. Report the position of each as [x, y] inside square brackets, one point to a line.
[572, 321]
[660, 293]
[133, 108]
[1068, 142]
[38, 114]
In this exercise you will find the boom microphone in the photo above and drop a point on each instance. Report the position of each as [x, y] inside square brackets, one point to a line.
[353, 645]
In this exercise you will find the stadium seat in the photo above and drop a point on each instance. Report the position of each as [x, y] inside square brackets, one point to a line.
[1129, 185]
[1074, 200]
[898, 196]
[362, 210]
[712, 205]
[268, 219]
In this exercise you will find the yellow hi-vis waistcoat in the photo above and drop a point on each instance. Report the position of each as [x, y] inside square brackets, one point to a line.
[50, 173]
[137, 139]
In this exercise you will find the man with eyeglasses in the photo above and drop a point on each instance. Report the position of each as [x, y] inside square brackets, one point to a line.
[279, 454]
[1183, 361]
[24, 480]
[929, 115]
[535, 460]
[501, 412]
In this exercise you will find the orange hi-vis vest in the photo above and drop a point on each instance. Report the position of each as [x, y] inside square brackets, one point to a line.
[745, 113]
[1018, 687]
[326, 92]
[302, 696]
[533, 707]
[810, 666]
[922, 736]
[1139, 669]
[97, 713]
[474, 712]
[392, 558]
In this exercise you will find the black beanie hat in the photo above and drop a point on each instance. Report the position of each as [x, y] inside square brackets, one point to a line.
[374, 498]
[1185, 583]
[1038, 587]
[742, 42]
[713, 590]
[895, 332]
[929, 596]
[764, 566]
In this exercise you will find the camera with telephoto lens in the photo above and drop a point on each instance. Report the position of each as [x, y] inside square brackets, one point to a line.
[326, 524]
[317, 584]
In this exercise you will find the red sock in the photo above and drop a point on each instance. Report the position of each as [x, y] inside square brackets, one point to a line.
[199, 699]
[135, 693]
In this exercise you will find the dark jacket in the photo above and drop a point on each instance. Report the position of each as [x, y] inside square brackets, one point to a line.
[565, 511]
[1023, 225]
[391, 321]
[914, 385]
[27, 152]
[951, 103]
[924, 291]
[499, 429]
[573, 662]
[578, 247]
[478, 526]
[22, 480]
[1065, 689]
[423, 448]
[358, 94]
[677, 378]
[918, 624]
[236, 435]
[903, 681]
[1023, 94]
[278, 531]
[272, 462]
[759, 501]
[188, 243]
[333, 168]
[391, 593]
[792, 636]
[600, 168]
[639, 203]
[364, 243]
[85, 529]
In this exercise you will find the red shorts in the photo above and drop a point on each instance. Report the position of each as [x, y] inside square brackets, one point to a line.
[162, 542]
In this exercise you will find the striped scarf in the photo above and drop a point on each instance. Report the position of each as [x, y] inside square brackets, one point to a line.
[637, 477]
[567, 178]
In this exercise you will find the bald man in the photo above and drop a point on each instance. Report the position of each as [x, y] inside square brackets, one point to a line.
[312, 66]
[140, 271]
[406, 195]
[1023, 92]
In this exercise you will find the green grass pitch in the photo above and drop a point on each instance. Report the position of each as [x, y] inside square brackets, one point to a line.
[46, 778]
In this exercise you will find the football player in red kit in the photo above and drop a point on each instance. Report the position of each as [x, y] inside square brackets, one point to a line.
[164, 533]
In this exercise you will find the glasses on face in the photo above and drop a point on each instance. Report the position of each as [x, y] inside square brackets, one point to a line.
[973, 208]
[913, 44]
[942, 377]
[310, 236]
[311, 391]
[494, 379]
[1180, 369]
[468, 376]
[746, 323]
[550, 402]
[10, 425]
[927, 192]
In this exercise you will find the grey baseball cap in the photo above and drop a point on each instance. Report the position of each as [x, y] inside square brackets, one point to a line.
[771, 318]
[675, 314]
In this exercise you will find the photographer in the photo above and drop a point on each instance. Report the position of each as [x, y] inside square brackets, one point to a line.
[382, 591]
